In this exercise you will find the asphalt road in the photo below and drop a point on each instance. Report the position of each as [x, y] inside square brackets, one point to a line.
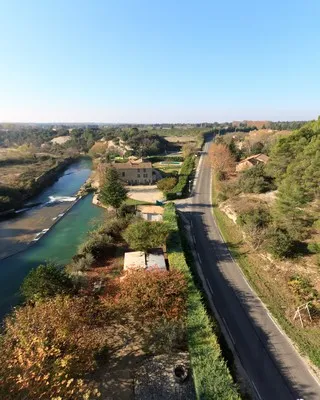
[271, 363]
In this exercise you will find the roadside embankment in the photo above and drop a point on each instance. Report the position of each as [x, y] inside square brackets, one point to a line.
[211, 375]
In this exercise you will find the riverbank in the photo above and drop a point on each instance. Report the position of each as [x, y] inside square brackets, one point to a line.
[23, 179]
[28, 227]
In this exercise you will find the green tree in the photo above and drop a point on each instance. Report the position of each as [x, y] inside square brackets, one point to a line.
[255, 180]
[279, 243]
[143, 235]
[112, 193]
[167, 184]
[46, 281]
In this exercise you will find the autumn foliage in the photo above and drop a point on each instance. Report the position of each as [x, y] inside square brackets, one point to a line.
[221, 159]
[46, 349]
[154, 295]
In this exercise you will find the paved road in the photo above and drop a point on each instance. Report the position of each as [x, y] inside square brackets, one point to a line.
[271, 363]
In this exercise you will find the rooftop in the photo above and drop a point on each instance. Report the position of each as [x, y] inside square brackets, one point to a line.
[140, 260]
[150, 209]
[260, 157]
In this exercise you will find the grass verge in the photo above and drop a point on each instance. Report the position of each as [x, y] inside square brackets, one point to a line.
[270, 288]
[211, 375]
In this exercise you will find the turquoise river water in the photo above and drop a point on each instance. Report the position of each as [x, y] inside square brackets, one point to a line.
[60, 243]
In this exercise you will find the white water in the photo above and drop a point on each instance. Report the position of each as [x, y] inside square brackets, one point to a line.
[60, 199]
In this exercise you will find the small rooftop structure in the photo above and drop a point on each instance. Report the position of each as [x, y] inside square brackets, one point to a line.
[151, 213]
[251, 161]
[140, 260]
[155, 260]
[134, 260]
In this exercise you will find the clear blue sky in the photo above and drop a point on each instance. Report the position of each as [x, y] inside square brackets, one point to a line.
[159, 61]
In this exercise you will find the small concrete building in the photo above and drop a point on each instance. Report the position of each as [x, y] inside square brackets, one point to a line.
[134, 260]
[150, 213]
[135, 173]
[140, 260]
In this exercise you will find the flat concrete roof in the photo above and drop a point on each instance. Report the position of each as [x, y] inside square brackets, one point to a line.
[134, 260]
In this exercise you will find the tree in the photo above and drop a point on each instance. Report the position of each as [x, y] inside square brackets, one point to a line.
[47, 348]
[280, 243]
[255, 180]
[188, 149]
[45, 281]
[112, 193]
[167, 184]
[222, 160]
[143, 235]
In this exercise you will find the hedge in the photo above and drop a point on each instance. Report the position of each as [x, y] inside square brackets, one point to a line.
[184, 175]
[155, 159]
[212, 378]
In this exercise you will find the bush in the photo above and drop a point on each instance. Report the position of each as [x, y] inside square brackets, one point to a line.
[45, 281]
[80, 263]
[154, 296]
[143, 235]
[167, 184]
[254, 224]
[303, 288]
[96, 245]
[257, 217]
[47, 348]
[314, 248]
[279, 243]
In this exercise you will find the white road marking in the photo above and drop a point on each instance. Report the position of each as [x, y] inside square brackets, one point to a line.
[199, 259]
[229, 333]
[256, 390]
[209, 286]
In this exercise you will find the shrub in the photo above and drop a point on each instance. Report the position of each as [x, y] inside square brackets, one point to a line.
[166, 184]
[46, 349]
[154, 296]
[280, 243]
[80, 263]
[96, 244]
[144, 235]
[254, 223]
[45, 281]
[255, 180]
[257, 217]
[303, 288]
[314, 248]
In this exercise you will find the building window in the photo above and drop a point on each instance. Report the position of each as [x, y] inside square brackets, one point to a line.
[138, 175]
[138, 170]
[144, 170]
[123, 174]
[145, 175]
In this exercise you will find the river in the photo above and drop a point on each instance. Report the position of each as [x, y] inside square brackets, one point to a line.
[60, 243]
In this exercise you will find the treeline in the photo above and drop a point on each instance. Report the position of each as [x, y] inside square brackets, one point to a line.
[285, 125]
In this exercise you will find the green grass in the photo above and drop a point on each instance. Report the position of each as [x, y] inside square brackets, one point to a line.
[263, 283]
[211, 375]
[133, 202]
